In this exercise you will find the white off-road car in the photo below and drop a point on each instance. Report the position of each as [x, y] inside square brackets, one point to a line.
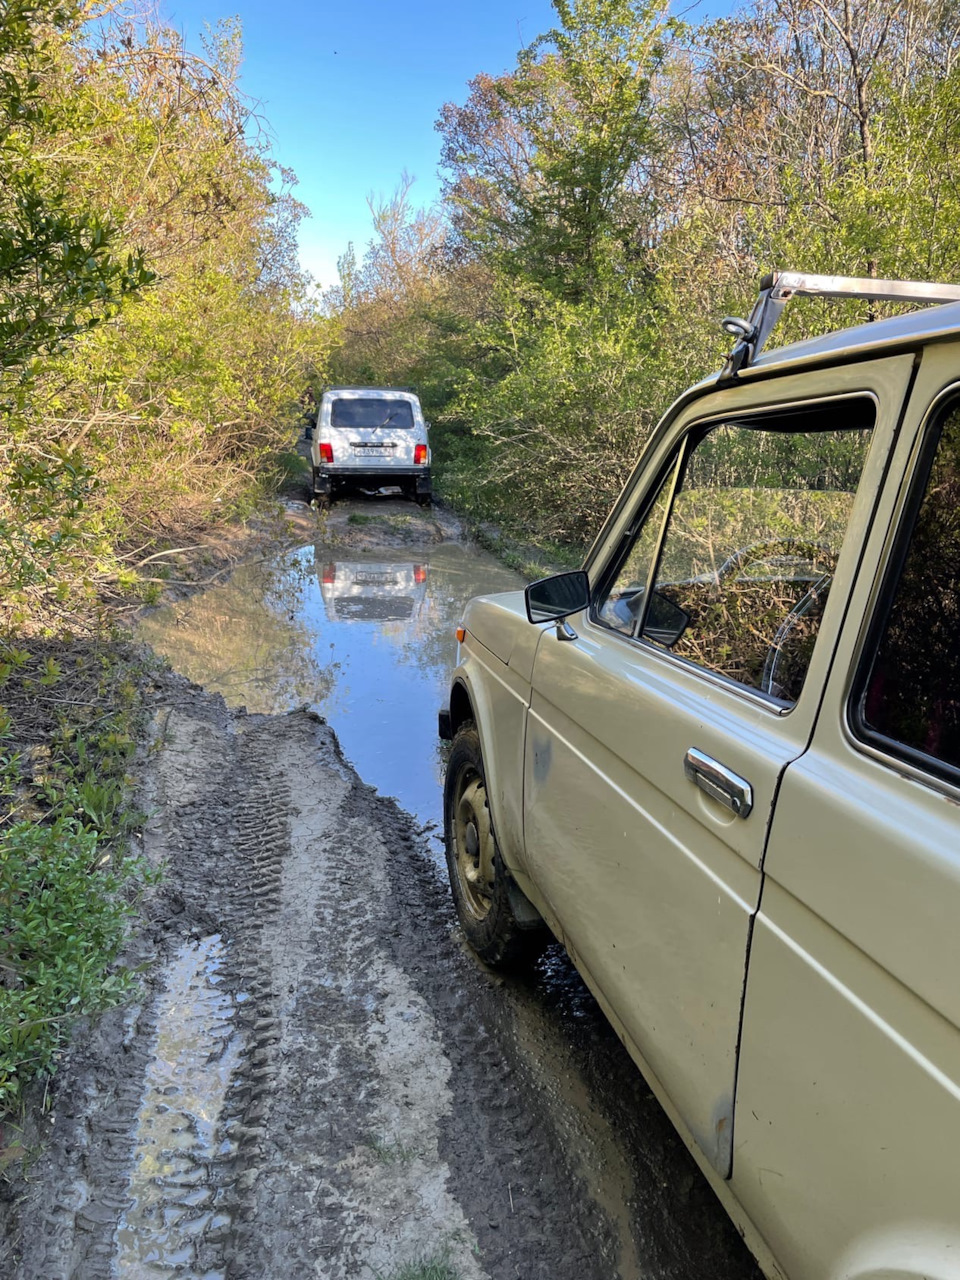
[722, 765]
[369, 438]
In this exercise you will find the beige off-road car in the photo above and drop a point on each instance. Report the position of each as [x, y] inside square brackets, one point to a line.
[722, 764]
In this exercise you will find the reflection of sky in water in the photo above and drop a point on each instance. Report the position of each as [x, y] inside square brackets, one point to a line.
[368, 641]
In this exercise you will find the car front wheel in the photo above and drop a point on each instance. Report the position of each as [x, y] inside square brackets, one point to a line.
[482, 887]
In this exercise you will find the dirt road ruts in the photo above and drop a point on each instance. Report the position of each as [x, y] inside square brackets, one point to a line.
[320, 1080]
[324, 990]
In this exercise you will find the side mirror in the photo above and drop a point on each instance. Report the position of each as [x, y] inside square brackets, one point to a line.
[554, 598]
[665, 622]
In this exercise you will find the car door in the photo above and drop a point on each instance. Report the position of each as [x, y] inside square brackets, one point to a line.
[849, 1083]
[371, 431]
[661, 720]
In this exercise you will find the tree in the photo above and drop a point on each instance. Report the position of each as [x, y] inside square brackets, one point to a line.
[61, 274]
[547, 162]
[59, 270]
[623, 187]
[158, 421]
[385, 301]
[785, 111]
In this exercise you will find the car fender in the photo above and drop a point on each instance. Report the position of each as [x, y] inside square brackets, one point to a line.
[486, 690]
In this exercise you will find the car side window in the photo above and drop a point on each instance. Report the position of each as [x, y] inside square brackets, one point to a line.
[908, 697]
[620, 606]
[746, 544]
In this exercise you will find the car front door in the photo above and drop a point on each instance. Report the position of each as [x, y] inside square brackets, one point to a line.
[657, 736]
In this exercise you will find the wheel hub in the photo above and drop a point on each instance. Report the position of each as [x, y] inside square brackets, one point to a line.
[472, 841]
[474, 846]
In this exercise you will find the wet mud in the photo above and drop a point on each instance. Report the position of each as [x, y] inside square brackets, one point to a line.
[320, 1079]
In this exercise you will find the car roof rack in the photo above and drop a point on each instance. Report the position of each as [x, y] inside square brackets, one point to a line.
[358, 387]
[777, 288]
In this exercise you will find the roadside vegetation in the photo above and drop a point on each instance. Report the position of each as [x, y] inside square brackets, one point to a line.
[435, 1267]
[606, 200]
[614, 195]
[155, 334]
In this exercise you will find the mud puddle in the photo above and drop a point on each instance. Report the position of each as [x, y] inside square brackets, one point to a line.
[363, 637]
[197, 1051]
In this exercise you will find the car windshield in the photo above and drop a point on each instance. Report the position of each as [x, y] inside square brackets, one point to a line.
[372, 413]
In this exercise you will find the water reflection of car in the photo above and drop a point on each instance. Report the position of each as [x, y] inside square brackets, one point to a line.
[364, 591]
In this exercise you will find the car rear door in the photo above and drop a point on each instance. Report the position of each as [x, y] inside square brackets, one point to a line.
[652, 761]
[373, 431]
[849, 1083]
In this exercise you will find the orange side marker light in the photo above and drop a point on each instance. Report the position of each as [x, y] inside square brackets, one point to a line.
[461, 632]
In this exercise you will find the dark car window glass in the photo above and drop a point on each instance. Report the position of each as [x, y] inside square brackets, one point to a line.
[371, 414]
[752, 542]
[912, 692]
[619, 607]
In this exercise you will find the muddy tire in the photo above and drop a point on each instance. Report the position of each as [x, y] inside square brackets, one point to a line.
[483, 892]
[322, 498]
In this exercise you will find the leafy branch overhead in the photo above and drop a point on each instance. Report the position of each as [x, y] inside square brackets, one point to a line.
[59, 273]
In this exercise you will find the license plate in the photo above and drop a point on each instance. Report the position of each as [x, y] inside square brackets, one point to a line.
[379, 579]
[366, 451]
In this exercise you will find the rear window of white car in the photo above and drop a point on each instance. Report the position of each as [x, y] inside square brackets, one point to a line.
[369, 415]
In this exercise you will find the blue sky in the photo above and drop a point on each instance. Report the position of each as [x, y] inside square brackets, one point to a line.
[352, 90]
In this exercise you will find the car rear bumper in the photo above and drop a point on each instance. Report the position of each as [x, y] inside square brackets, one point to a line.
[371, 477]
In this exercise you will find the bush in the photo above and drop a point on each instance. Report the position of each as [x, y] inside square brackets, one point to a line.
[65, 903]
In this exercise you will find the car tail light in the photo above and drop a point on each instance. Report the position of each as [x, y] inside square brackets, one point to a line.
[329, 574]
[419, 574]
[420, 455]
[326, 453]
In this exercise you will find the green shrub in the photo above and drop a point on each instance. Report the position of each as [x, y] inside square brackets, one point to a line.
[67, 885]
[64, 903]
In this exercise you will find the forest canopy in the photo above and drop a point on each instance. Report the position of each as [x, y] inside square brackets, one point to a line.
[613, 195]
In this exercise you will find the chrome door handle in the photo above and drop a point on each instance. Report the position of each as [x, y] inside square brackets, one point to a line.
[719, 782]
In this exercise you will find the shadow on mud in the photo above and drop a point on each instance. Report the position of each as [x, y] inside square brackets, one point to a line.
[637, 1169]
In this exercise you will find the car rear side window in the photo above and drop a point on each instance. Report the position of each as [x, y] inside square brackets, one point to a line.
[908, 696]
[371, 414]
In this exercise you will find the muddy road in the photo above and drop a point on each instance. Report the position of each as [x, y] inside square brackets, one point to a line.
[320, 1080]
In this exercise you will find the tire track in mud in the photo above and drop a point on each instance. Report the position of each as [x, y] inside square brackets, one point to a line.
[319, 1082]
[533, 1214]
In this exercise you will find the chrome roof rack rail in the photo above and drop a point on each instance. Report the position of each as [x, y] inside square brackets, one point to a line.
[777, 288]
